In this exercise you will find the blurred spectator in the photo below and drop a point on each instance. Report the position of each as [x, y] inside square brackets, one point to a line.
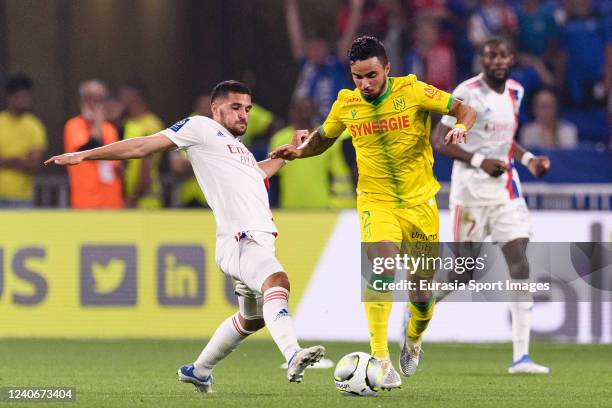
[93, 184]
[373, 19]
[261, 122]
[115, 114]
[431, 61]
[322, 74]
[201, 106]
[142, 188]
[538, 31]
[533, 74]
[190, 194]
[309, 183]
[547, 130]
[426, 8]
[582, 63]
[492, 17]
[23, 140]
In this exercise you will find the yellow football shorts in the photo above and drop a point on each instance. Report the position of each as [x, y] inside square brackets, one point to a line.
[403, 226]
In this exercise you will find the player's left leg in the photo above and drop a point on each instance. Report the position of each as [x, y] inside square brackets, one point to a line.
[421, 240]
[228, 336]
[509, 224]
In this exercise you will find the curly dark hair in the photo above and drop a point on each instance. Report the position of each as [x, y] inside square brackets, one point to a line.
[367, 47]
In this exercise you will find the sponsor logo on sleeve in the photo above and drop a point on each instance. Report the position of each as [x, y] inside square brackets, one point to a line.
[178, 125]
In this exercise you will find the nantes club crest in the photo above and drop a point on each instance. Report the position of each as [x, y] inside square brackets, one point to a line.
[399, 103]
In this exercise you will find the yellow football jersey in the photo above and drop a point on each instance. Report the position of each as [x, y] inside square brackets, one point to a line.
[391, 139]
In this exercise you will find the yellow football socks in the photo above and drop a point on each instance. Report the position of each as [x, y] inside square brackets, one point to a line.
[420, 315]
[377, 306]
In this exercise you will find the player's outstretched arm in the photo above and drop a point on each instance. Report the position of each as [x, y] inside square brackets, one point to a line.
[492, 167]
[313, 146]
[125, 149]
[271, 166]
[537, 165]
[466, 116]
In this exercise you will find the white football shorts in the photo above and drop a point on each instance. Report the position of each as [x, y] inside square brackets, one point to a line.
[249, 258]
[503, 222]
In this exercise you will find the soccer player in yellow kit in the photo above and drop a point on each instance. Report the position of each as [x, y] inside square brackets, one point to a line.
[389, 121]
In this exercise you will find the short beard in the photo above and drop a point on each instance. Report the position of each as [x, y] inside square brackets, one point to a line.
[498, 81]
[237, 132]
[373, 97]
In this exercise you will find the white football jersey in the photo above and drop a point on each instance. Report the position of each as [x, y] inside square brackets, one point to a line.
[492, 136]
[227, 173]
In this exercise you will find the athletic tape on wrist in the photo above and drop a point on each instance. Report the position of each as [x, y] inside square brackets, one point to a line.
[526, 157]
[477, 160]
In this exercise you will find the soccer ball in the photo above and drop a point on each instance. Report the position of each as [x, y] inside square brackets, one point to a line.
[358, 374]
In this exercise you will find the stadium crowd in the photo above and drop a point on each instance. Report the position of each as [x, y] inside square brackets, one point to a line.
[564, 62]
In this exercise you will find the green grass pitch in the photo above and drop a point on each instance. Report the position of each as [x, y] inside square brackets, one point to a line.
[142, 373]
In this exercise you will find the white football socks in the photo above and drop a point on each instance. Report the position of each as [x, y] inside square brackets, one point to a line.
[278, 320]
[227, 337]
[521, 326]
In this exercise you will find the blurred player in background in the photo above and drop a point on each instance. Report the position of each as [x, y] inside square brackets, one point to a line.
[389, 122]
[485, 195]
[234, 184]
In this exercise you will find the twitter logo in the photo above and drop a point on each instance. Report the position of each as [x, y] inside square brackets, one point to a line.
[108, 275]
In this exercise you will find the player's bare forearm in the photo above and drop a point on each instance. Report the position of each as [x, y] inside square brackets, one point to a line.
[135, 148]
[316, 144]
[452, 151]
[464, 113]
[271, 166]
[518, 152]
[313, 146]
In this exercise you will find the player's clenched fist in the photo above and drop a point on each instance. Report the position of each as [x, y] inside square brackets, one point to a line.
[65, 159]
[494, 167]
[286, 152]
[539, 166]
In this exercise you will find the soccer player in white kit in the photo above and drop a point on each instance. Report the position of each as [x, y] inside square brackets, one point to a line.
[485, 196]
[234, 185]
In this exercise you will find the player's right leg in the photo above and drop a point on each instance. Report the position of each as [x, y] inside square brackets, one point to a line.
[510, 226]
[520, 310]
[381, 233]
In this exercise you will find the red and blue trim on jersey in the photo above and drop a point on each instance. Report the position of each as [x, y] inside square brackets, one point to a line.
[511, 185]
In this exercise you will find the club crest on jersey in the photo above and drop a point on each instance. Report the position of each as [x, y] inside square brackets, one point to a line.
[399, 103]
[354, 113]
[178, 125]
